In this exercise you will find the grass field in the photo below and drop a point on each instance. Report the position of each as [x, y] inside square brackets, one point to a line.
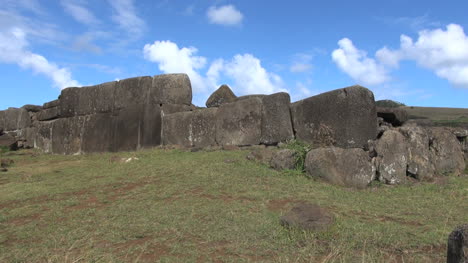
[457, 117]
[178, 206]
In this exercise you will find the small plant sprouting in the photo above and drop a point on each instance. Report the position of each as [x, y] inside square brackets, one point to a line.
[301, 148]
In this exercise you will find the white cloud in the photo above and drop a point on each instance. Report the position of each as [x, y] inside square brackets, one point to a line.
[171, 59]
[125, 16]
[227, 15]
[14, 50]
[357, 65]
[250, 77]
[443, 51]
[79, 12]
[245, 71]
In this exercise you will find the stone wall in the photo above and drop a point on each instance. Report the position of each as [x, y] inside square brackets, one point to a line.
[353, 142]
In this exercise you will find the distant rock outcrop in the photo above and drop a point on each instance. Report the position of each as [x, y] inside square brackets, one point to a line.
[222, 95]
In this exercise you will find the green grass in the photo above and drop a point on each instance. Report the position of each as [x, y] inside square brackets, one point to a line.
[177, 206]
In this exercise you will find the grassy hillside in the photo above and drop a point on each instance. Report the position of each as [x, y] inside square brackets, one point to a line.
[440, 116]
[177, 206]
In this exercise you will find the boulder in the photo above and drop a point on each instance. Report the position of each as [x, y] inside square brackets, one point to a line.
[171, 89]
[276, 119]
[262, 155]
[69, 100]
[420, 165]
[8, 141]
[51, 104]
[345, 167]
[14, 119]
[457, 245]
[190, 129]
[306, 216]
[395, 116]
[284, 159]
[344, 118]
[392, 157]
[96, 99]
[48, 114]
[447, 152]
[222, 95]
[239, 123]
[32, 108]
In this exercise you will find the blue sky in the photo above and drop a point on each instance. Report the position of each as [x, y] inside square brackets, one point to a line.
[415, 52]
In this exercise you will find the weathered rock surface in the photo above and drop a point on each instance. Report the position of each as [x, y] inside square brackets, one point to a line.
[447, 152]
[420, 165]
[457, 245]
[344, 117]
[262, 155]
[51, 104]
[48, 114]
[276, 119]
[283, 159]
[32, 108]
[67, 135]
[8, 141]
[392, 157]
[395, 116]
[171, 89]
[346, 167]
[239, 123]
[190, 129]
[307, 216]
[222, 95]
[14, 119]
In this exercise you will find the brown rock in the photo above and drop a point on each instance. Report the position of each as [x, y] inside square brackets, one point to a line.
[222, 95]
[307, 216]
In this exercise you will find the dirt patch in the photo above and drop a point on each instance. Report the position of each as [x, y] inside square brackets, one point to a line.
[23, 220]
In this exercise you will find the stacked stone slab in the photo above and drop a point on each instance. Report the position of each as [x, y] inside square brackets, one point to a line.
[114, 116]
[344, 118]
[250, 121]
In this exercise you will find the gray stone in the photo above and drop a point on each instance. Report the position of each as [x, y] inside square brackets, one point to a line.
[239, 123]
[344, 117]
[15, 119]
[392, 157]
[262, 155]
[171, 89]
[174, 108]
[276, 119]
[283, 159]
[8, 141]
[127, 126]
[457, 245]
[32, 108]
[246, 97]
[420, 164]
[190, 129]
[67, 135]
[30, 137]
[48, 114]
[222, 95]
[43, 138]
[69, 101]
[395, 116]
[307, 216]
[96, 99]
[51, 104]
[447, 152]
[97, 133]
[345, 167]
[132, 91]
[151, 126]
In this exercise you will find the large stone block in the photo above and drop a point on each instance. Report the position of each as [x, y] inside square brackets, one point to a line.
[190, 129]
[344, 117]
[43, 139]
[239, 123]
[69, 101]
[420, 165]
[132, 91]
[51, 104]
[96, 99]
[447, 152]
[395, 116]
[174, 108]
[171, 89]
[345, 167]
[127, 128]
[276, 119]
[97, 133]
[67, 135]
[151, 126]
[48, 114]
[14, 119]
